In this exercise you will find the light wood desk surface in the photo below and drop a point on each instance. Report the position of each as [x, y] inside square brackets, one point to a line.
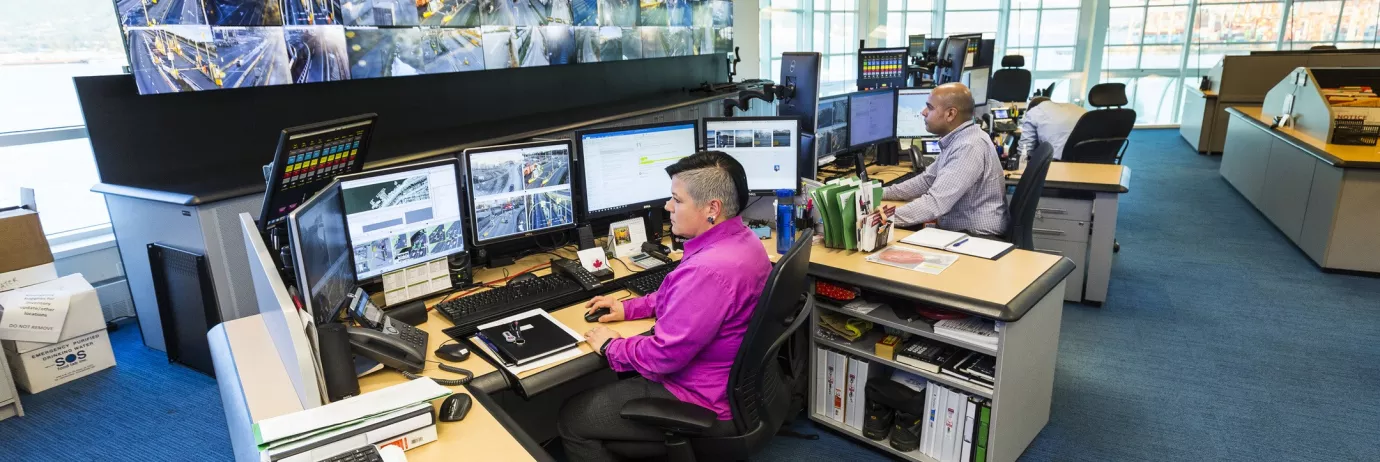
[1062, 175]
[1340, 155]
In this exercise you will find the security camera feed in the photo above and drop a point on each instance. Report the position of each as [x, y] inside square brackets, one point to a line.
[192, 45]
[831, 135]
[766, 148]
[402, 216]
[520, 190]
[323, 250]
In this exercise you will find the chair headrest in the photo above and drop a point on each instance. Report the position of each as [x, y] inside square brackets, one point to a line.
[1013, 61]
[1107, 94]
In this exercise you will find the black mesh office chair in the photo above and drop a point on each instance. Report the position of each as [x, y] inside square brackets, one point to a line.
[1102, 135]
[757, 392]
[1010, 84]
[1027, 196]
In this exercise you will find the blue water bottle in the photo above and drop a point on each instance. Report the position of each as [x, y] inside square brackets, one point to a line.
[785, 220]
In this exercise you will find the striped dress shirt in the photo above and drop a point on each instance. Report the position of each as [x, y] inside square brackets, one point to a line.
[1050, 122]
[964, 189]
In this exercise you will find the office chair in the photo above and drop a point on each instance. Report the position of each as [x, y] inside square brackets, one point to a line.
[1011, 83]
[1102, 135]
[757, 392]
[1027, 196]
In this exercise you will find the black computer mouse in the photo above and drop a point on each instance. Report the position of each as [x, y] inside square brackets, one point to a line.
[455, 407]
[453, 352]
[594, 316]
[524, 277]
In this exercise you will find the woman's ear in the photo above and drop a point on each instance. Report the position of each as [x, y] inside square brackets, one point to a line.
[716, 208]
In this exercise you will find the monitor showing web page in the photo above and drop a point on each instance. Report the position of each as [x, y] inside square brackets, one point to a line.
[910, 113]
[765, 146]
[403, 216]
[871, 117]
[625, 168]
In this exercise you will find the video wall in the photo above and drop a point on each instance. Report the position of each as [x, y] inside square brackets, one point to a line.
[188, 45]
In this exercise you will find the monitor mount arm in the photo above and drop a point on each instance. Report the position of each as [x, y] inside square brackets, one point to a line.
[770, 93]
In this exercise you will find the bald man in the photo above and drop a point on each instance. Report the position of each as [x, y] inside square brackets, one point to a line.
[964, 189]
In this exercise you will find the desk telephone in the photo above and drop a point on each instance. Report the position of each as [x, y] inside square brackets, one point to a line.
[381, 338]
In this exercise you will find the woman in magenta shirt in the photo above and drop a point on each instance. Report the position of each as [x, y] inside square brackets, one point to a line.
[702, 311]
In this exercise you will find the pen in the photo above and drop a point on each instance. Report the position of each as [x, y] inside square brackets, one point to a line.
[956, 244]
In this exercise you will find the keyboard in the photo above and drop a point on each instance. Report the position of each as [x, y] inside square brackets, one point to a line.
[902, 178]
[546, 292]
[363, 454]
[648, 281]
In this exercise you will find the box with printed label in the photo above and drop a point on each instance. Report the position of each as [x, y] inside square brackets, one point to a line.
[83, 311]
[25, 258]
[62, 362]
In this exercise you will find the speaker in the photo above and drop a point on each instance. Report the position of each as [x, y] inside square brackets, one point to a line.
[337, 361]
[586, 237]
[460, 274]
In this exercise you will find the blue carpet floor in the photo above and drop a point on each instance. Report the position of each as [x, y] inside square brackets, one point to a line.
[1220, 340]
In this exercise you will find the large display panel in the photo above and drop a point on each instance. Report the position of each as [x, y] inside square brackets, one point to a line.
[402, 216]
[624, 169]
[321, 251]
[520, 190]
[910, 113]
[188, 45]
[871, 117]
[766, 146]
[308, 157]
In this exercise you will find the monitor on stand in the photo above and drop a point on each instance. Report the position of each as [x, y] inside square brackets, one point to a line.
[404, 223]
[917, 48]
[881, 68]
[766, 146]
[520, 192]
[910, 108]
[986, 53]
[805, 157]
[620, 172]
[308, 157]
[831, 136]
[871, 122]
[800, 70]
[321, 253]
[976, 81]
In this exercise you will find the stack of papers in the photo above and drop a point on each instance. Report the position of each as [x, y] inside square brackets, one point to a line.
[302, 428]
[955, 242]
[971, 329]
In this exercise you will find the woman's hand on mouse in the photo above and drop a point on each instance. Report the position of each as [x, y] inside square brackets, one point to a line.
[614, 305]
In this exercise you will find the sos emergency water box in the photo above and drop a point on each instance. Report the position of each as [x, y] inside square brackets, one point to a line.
[82, 349]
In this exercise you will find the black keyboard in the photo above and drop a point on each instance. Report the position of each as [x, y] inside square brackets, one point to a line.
[648, 281]
[902, 178]
[364, 454]
[546, 292]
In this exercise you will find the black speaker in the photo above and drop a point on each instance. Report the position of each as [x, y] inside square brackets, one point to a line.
[586, 237]
[460, 274]
[337, 361]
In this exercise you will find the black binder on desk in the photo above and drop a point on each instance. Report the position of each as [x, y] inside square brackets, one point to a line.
[528, 339]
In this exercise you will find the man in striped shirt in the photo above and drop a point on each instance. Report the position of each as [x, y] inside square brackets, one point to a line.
[964, 190]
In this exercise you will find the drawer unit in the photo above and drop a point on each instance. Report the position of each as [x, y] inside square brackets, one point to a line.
[1074, 251]
[1064, 208]
[1046, 227]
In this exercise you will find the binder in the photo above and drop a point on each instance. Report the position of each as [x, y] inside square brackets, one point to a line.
[952, 419]
[822, 375]
[840, 380]
[541, 337]
[983, 428]
[969, 421]
[853, 416]
[927, 420]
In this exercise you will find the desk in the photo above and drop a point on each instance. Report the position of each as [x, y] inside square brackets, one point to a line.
[1322, 196]
[253, 387]
[1076, 218]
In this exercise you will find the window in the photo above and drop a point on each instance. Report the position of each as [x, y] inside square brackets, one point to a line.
[905, 18]
[1344, 24]
[840, 19]
[826, 26]
[39, 54]
[1044, 32]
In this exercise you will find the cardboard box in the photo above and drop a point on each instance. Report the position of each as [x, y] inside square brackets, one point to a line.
[84, 313]
[61, 362]
[24, 255]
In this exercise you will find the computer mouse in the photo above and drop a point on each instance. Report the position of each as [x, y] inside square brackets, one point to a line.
[524, 277]
[594, 316]
[455, 407]
[453, 352]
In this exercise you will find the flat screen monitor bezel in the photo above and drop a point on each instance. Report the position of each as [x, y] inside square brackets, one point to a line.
[704, 131]
[624, 209]
[469, 188]
[280, 154]
[464, 203]
[299, 269]
[852, 145]
[808, 120]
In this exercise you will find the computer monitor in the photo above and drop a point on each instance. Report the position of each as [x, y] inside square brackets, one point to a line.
[766, 146]
[308, 157]
[881, 68]
[805, 157]
[986, 53]
[871, 117]
[831, 137]
[801, 69]
[321, 251]
[930, 146]
[520, 190]
[976, 80]
[622, 170]
[917, 47]
[293, 340]
[403, 216]
[1001, 114]
[910, 110]
[970, 59]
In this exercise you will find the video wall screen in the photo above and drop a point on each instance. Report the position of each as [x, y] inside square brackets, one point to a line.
[189, 45]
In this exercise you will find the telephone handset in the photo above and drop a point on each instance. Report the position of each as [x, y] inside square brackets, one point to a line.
[390, 342]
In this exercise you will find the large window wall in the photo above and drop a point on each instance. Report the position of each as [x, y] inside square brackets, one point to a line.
[1155, 47]
[829, 27]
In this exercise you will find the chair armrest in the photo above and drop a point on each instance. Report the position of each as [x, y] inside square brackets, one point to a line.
[669, 414]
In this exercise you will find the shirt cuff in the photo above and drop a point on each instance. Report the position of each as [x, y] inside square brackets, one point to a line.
[619, 353]
[637, 308]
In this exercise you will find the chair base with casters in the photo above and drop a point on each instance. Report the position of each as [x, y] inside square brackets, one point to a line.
[759, 397]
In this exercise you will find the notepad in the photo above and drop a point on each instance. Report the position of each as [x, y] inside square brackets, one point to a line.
[956, 242]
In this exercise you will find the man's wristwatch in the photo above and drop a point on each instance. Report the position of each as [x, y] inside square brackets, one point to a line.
[604, 348]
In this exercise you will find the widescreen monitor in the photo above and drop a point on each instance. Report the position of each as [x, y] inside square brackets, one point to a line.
[321, 251]
[871, 117]
[766, 146]
[976, 79]
[831, 137]
[622, 170]
[308, 157]
[403, 216]
[917, 47]
[881, 68]
[520, 190]
[800, 70]
[910, 113]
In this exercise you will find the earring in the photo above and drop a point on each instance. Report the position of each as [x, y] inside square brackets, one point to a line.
[711, 220]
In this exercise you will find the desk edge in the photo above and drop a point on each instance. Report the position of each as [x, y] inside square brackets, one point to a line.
[535, 450]
[1011, 311]
[1309, 148]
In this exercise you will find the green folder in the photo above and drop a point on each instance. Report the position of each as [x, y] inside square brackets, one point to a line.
[849, 217]
[821, 201]
[836, 223]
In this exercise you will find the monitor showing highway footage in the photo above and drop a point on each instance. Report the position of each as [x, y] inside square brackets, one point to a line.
[627, 168]
[910, 113]
[403, 216]
[765, 147]
[520, 191]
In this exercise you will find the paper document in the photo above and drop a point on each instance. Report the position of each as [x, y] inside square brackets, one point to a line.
[343, 412]
[935, 238]
[914, 260]
[319, 437]
[33, 315]
[547, 361]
